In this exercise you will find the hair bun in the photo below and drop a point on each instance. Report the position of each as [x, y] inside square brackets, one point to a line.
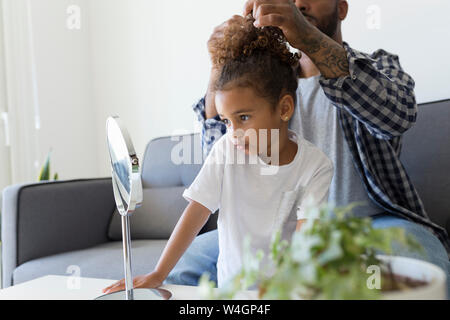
[241, 39]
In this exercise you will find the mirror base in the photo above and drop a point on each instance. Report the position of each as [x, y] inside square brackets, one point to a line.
[138, 294]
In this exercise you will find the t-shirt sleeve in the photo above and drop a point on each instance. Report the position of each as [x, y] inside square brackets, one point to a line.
[316, 192]
[206, 188]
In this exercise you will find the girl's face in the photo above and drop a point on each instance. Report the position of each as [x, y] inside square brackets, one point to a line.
[245, 114]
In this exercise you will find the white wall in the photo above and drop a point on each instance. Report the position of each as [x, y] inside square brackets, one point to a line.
[5, 163]
[49, 90]
[417, 31]
[150, 63]
[68, 117]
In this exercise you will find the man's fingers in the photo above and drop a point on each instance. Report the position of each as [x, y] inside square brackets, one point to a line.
[268, 13]
[252, 5]
[273, 20]
[265, 9]
[248, 7]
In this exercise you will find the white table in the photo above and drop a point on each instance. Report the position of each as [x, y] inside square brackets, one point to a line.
[73, 288]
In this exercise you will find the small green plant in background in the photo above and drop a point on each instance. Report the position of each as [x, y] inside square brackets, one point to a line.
[44, 174]
[327, 259]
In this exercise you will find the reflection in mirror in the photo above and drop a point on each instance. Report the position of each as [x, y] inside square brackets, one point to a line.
[121, 150]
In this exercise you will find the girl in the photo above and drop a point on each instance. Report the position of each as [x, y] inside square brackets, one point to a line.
[260, 173]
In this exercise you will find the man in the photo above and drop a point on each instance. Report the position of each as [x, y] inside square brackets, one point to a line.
[352, 105]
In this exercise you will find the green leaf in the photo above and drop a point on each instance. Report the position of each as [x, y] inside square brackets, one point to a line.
[44, 174]
[334, 250]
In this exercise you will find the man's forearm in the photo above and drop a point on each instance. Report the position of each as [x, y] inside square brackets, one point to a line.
[381, 96]
[210, 105]
[329, 56]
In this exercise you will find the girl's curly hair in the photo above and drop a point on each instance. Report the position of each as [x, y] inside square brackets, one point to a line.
[255, 57]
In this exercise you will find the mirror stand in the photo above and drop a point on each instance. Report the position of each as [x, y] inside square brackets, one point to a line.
[127, 257]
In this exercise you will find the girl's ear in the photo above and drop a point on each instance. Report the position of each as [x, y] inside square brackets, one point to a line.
[286, 107]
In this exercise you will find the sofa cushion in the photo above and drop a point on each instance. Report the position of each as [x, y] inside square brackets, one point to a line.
[426, 157]
[104, 261]
[161, 167]
[156, 218]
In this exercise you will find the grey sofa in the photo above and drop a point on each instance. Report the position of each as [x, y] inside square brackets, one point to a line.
[58, 227]
[48, 227]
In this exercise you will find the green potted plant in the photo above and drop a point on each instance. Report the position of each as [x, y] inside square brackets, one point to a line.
[44, 173]
[335, 255]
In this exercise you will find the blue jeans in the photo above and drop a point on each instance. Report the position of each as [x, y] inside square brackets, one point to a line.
[202, 255]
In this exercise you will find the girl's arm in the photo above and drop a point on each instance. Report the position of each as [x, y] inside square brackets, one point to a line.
[192, 220]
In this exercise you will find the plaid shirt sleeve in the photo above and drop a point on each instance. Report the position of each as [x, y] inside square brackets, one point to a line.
[377, 92]
[212, 129]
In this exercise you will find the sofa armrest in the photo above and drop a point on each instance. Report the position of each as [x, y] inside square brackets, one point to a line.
[48, 218]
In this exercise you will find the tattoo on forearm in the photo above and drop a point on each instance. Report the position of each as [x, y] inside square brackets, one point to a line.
[329, 56]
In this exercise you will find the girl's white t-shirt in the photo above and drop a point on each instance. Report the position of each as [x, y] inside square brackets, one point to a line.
[256, 199]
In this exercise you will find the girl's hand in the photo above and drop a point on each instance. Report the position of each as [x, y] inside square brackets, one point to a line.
[151, 280]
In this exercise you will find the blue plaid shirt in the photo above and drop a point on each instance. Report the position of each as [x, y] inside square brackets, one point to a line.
[376, 105]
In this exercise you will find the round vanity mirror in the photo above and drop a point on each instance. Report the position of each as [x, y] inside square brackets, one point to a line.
[126, 176]
[127, 188]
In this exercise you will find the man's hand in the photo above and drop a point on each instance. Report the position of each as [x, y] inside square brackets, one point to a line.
[151, 280]
[282, 14]
[328, 55]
